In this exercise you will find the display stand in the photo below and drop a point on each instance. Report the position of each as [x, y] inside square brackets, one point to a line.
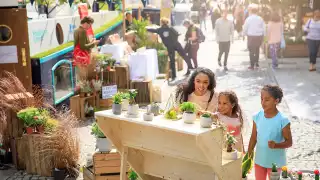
[168, 149]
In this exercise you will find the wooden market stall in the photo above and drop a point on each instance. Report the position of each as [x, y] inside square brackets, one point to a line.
[169, 149]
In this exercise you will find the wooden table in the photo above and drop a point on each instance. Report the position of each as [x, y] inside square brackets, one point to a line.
[165, 149]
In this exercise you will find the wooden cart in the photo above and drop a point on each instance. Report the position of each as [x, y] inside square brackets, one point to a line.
[168, 149]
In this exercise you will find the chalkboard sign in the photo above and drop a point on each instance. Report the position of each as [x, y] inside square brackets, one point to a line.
[109, 91]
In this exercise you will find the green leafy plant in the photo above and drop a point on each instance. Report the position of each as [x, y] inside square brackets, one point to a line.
[188, 107]
[96, 131]
[132, 93]
[230, 141]
[28, 115]
[247, 164]
[132, 175]
[125, 95]
[51, 124]
[206, 115]
[117, 98]
[140, 28]
[274, 167]
[171, 114]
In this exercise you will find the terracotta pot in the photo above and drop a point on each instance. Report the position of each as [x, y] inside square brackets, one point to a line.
[40, 129]
[82, 94]
[29, 130]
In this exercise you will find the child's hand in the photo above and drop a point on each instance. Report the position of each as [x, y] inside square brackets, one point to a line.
[272, 144]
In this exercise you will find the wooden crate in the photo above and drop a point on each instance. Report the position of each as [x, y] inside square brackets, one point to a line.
[37, 162]
[105, 103]
[106, 163]
[122, 77]
[77, 105]
[144, 89]
[88, 174]
[109, 77]
[18, 147]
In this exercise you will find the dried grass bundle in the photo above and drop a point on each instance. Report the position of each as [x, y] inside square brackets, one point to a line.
[63, 146]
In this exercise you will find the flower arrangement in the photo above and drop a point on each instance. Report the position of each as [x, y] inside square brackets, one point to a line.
[85, 88]
[299, 175]
[97, 84]
[96, 131]
[316, 174]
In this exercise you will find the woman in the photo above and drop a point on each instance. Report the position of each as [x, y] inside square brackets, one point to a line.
[239, 17]
[313, 38]
[200, 90]
[191, 38]
[274, 34]
[82, 45]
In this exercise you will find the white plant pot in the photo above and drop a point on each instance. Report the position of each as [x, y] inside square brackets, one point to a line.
[103, 145]
[244, 178]
[282, 178]
[205, 122]
[125, 104]
[148, 117]
[133, 109]
[189, 118]
[274, 175]
[230, 155]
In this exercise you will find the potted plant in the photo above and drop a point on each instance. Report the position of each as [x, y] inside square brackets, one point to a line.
[189, 115]
[125, 101]
[205, 120]
[148, 116]
[247, 164]
[117, 106]
[299, 175]
[50, 125]
[285, 174]
[102, 143]
[275, 174]
[85, 89]
[154, 108]
[132, 175]
[133, 108]
[171, 114]
[28, 116]
[316, 174]
[230, 153]
[97, 84]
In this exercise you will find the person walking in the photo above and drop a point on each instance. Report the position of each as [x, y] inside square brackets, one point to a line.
[192, 39]
[274, 35]
[224, 37]
[203, 16]
[313, 38]
[169, 38]
[239, 19]
[254, 29]
[214, 14]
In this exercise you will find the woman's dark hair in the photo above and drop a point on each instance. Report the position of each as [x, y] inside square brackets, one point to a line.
[233, 99]
[184, 90]
[275, 17]
[274, 91]
[87, 19]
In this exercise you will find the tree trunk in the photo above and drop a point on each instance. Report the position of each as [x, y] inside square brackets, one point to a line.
[299, 21]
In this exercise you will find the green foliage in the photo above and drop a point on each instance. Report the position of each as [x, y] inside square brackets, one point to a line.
[132, 175]
[188, 107]
[285, 174]
[96, 131]
[140, 28]
[206, 115]
[274, 167]
[247, 164]
[32, 116]
[51, 124]
[132, 93]
[231, 140]
[125, 95]
[117, 98]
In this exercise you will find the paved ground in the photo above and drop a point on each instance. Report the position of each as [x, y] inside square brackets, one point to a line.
[301, 103]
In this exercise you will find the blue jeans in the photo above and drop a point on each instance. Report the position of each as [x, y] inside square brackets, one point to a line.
[313, 46]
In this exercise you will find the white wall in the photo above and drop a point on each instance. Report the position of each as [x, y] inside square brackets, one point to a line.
[42, 33]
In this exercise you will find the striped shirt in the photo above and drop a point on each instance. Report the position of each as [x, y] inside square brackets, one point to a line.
[313, 29]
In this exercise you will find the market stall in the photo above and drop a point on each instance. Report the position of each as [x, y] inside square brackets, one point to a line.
[169, 149]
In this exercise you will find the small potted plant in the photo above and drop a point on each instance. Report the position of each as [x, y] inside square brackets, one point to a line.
[132, 175]
[155, 109]
[171, 114]
[29, 116]
[102, 143]
[117, 106]
[275, 174]
[299, 175]
[316, 174]
[125, 101]
[189, 115]
[85, 89]
[97, 84]
[230, 153]
[285, 174]
[133, 108]
[148, 116]
[205, 120]
[247, 164]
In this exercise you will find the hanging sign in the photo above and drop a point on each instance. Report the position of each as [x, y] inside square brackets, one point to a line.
[109, 91]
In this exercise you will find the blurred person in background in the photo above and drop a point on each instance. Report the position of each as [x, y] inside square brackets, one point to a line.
[274, 35]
